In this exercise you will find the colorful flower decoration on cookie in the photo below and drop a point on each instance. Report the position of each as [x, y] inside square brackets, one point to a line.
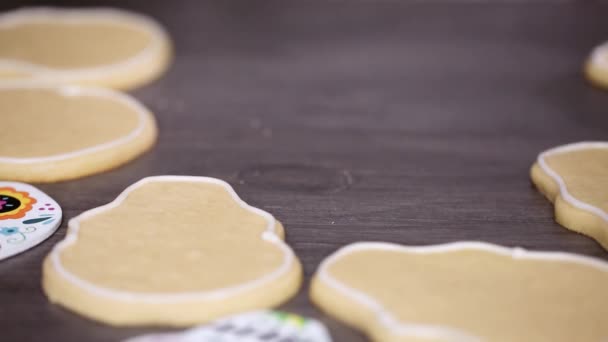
[255, 326]
[14, 204]
[22, 225]
[296, 320]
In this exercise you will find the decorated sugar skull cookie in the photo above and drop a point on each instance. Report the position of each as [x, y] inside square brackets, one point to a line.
[256, 326]
[27, 217]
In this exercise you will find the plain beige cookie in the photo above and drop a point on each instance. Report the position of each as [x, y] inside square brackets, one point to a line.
[58, 133]
[574, 177]
[171, 250]
[104, 47]
[464, 292]
[596, 68]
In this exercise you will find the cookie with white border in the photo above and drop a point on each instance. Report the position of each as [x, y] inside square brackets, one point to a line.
[257, 326]
[596, 68]
[51, 134]
[28, 216]
[95, 46]
[171, 250]
[464, 292]
[574, 178]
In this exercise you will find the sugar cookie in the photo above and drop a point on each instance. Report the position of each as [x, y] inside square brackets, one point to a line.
[28, 216]
[465, 292]
[105, 47]
[596, 67]
[574, 178]
[172, 250]
[257, 326]
[51, 134]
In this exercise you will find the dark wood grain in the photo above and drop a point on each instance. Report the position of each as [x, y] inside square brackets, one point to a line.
[350, 121]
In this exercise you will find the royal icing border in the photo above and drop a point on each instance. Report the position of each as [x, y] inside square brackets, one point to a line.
[563, 190]
[268, 235]
[599, 56]
[143, 115]
[74, 16]
[430, 331]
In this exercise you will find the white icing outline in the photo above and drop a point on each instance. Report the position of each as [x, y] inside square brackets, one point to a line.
[73, 16]
[268, 235]
[563, 190]
[46, 232]
[429, 331]
[599, 56]
[143, 115]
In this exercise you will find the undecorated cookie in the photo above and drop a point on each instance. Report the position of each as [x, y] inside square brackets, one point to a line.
[257, 326]
[464, 292]
[575, 178]
[171, 250]
[59, 133]
[28, 216]
[596, 67]
[99, 46]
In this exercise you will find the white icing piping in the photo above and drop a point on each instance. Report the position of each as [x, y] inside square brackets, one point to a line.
[268, 235]
[562, 185]
[67, 91]
[78, 16]
[599, 56]
[430, 331]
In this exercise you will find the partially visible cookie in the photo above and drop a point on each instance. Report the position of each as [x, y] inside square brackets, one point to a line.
[28, 216]
[171, 250]
[596, 67]
[99, 46]
[575, 178]
[50, 134]
[464, 292]
[256, 326]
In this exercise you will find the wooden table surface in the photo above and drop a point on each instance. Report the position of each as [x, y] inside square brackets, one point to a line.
[352, 121]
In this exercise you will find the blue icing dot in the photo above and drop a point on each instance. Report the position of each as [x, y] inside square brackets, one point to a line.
[8, 231]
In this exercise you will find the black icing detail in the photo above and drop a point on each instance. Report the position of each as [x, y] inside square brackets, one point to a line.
[36, 220]
[11, 203]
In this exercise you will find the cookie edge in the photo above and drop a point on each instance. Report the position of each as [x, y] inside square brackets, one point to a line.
[58, 167]
[377, 322]
[596, 67]
[569, 211]
[143, 67]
